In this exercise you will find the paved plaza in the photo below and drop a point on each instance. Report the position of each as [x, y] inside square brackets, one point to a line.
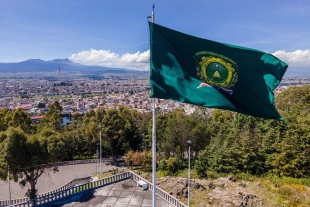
[51, 181]
[121, 194]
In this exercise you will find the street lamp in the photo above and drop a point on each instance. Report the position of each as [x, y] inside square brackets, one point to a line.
[9, 184]
[9, 178]
[189, 171]
[97, 155]
[100, 152]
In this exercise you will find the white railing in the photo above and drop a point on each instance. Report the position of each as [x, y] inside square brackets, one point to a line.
[73, 190]
[69, 184]
[53, 196]
[77, 162]
[65, 186]
[159, 192]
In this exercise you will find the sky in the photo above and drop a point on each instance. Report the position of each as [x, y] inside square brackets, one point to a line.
[114, 33]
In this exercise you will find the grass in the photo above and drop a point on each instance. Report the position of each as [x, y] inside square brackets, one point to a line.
[274, 191]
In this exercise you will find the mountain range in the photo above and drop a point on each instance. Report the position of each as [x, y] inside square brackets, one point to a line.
[66, 65]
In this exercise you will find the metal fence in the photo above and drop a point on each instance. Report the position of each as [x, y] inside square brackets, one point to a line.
[159, 192]
[70, 189]
[73, 190]
[70, 184]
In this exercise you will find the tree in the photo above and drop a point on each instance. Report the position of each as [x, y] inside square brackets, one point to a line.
[129, 158]
[113, 130]
[292, 153]
[172, 165]
[29, 156]
[21, 119]
[41, 105]
[201, 164]
[53, 117]
[5, 117]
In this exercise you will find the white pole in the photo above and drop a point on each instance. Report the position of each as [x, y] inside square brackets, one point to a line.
[9, 182]
[154, 138]
[97, 163]
[100, 151]
[154, 154]
[9, 185]
[189, 172]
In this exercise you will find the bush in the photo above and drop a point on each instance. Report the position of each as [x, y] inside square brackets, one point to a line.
[213, 175]
[163, 165]
[172, 166]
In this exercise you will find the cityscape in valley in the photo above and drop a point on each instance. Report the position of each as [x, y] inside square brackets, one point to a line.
[81, 93]
[80, 80]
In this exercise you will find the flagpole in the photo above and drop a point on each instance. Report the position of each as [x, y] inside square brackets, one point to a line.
[153, 136]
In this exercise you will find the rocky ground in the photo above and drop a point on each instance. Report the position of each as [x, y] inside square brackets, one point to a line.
[219, 192]
[226, 192]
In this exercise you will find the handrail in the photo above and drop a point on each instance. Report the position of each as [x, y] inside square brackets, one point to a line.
[72, 162]
[65, 186]
[160, 192]
[56, 195]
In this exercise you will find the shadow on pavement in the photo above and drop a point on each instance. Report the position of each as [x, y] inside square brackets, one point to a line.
[83, 197]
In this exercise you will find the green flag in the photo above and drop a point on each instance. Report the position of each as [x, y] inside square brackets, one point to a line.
[193, 70]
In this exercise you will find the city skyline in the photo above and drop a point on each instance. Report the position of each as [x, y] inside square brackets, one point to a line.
[115, 33]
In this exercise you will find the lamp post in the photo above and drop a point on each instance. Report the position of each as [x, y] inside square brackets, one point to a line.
[189, 171]
[9, 182]
[97, 155]
[100, 152]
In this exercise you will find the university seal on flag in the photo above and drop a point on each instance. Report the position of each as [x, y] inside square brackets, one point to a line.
[217, 71]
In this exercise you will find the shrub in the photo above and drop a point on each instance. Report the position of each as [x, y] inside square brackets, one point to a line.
[163, 165]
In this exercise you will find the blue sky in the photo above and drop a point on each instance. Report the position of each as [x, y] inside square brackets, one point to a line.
[115, 33]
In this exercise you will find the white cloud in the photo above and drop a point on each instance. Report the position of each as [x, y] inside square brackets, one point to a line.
[138, 60]
[298, 58]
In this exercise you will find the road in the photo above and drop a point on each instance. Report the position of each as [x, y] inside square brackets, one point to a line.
[50, 181]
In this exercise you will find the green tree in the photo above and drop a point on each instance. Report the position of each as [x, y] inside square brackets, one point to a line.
[113, 130]
[29, 156]
[41, 105]
[21, 119]
[172, 165]
[201, 164]
[5, 117]
[53, 117]
[129, 158]
[293, 148]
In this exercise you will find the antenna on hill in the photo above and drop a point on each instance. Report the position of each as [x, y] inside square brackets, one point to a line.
[59, 81]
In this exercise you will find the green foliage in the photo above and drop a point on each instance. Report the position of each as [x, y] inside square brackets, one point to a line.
[287, 180]
[163, 165]
[201, 164]
[129, 157]
[5, 117]
[147, 160]
[52, 118]
[41, 105]
[173, 165]
[223, 142]
[28, 156]
[21, 119]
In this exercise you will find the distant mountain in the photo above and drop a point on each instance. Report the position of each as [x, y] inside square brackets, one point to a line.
[297, 72]
[66, 65]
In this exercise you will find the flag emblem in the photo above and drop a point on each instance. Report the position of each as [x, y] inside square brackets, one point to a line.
[217, 71]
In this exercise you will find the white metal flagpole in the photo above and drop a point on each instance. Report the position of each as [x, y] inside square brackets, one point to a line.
[154, 139]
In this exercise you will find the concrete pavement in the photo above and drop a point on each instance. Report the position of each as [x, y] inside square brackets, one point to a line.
[50, 181]
[121, 194]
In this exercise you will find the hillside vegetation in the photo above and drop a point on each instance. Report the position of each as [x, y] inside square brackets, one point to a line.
[223, 142]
